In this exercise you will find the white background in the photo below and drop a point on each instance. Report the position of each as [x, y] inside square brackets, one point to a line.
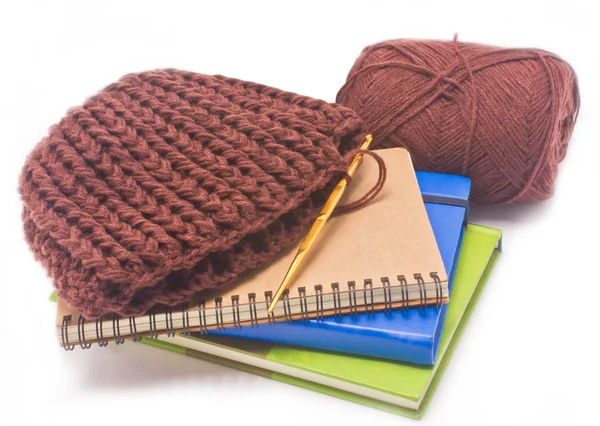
[530, 352]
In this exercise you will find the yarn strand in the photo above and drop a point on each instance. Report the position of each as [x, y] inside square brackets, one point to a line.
[371, 193]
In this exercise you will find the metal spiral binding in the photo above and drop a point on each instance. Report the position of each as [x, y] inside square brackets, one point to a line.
[152, 322]
[352, 297]
[219, 313]
[303, 304]
[169, 322]
[81, 333]
[422, 290]
[368, 287]
[369, 305]
[403, 291]
[64, 334]
[117, 330]
[439, 299]
[287, 310]
[185, 317]
[235, 309]
[337, 303]
[319, 292]
[268, 298]
[100, 333]
[133, 330]
[202, 316]
[387, 294]
[252, 308]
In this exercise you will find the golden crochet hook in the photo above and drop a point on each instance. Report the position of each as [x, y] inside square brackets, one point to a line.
[318, 225]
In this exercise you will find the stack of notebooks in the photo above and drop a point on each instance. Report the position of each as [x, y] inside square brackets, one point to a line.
[373, 315]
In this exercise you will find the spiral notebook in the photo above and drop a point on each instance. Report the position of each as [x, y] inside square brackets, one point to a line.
[411, 335]
[380, 257]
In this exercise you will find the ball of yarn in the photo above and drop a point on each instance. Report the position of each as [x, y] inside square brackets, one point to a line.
[502, 117]
[168, 183]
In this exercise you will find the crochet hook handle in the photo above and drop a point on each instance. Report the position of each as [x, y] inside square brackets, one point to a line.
[318, 225]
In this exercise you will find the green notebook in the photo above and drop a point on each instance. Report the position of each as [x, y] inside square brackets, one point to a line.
[403, 389]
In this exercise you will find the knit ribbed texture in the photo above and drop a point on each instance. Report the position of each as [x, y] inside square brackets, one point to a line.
[168, 183]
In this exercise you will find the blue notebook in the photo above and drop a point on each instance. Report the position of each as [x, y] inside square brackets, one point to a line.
[411, 335]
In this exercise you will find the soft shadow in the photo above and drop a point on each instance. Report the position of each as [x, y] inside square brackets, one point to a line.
[512, 213]
[135, 365]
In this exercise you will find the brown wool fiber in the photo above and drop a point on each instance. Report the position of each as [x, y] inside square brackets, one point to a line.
[167, 183]
[502, 117]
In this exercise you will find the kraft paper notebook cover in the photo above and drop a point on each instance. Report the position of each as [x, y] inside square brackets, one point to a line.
[403, 335]
[400, 388]
[383, 255]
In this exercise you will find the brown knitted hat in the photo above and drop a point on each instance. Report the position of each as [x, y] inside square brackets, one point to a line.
[167, 183]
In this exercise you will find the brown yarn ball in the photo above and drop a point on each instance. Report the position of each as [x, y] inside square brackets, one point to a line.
[502, 117]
